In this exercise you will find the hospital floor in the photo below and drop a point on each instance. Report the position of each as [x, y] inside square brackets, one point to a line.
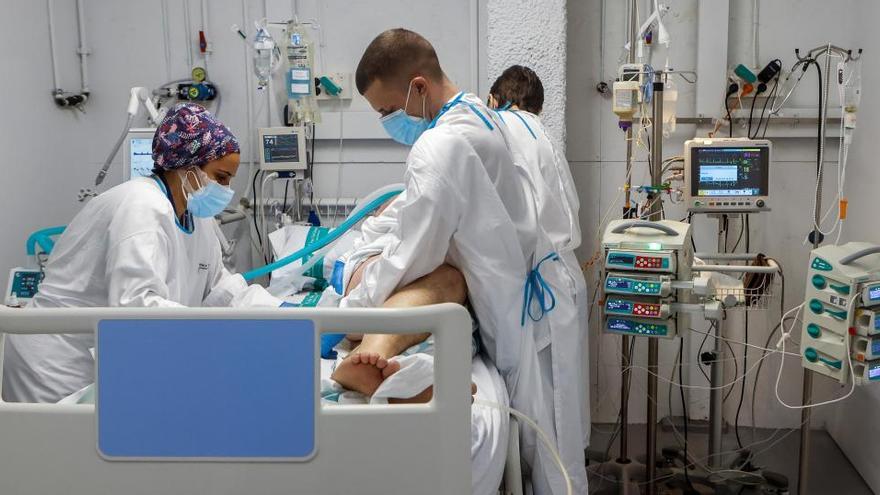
[831, 471]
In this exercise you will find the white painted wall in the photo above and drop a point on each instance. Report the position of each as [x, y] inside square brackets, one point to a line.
[533, 33]
[596, 151]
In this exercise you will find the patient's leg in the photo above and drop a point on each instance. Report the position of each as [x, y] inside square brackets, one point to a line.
[361, 370]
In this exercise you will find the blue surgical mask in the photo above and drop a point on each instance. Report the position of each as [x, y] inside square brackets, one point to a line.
[404, 128]
[209, 200]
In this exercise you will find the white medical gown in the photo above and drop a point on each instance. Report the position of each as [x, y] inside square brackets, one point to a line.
[124, 249]
[467, 204]
[558, 206]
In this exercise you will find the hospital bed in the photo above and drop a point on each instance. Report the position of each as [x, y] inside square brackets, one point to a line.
[114, 447]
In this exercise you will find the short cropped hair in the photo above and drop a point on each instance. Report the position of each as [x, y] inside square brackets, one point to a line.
[397, 55]
[520, 86]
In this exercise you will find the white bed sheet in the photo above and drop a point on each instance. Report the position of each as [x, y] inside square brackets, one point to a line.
[489, 426]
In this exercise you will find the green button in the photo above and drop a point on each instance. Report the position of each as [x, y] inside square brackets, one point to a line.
[840, 315]
[840, 289]
[814, 331]
[820, 264]
[816, 307]
[819, 282]
[832, 363]
[811, 355]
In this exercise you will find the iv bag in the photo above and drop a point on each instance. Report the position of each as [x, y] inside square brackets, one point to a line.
[264, 46]
[670, 101]
[852, 94]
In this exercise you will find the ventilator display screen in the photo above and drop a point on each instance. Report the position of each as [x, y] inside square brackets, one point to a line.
[874, 293]
[140, 157]
[739, 172]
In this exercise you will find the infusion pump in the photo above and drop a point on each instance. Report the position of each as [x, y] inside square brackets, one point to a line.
[642, 262]
[840, 315]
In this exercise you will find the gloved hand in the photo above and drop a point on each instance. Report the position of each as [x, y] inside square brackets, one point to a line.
[328, 340]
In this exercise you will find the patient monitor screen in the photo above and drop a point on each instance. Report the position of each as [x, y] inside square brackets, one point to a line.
[140, 157]
[729, 171]
[281, 148]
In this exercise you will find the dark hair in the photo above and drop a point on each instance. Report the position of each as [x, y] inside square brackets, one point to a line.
[397, 54]
[520, 86]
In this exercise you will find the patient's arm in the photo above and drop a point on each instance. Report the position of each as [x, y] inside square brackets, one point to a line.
[445, 284]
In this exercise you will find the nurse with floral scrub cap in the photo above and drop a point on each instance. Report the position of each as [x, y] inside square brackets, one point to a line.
[148, 242]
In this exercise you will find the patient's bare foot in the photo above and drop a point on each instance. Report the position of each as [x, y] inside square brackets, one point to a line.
[362, 372]
[392, 368]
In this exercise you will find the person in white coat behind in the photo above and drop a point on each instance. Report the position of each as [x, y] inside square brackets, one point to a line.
[467, 205]
[518, 97]
[148, 242]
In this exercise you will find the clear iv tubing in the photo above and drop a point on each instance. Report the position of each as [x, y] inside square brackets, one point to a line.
[846, 350]
[543, 436]
[334, 234]
[841, 163]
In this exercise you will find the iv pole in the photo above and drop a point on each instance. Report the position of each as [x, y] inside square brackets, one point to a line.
[623, 468]
[807, 394]
[654, 344]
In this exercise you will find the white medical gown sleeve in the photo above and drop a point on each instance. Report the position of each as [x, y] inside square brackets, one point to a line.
[224, 288]
[231, 289]
[573, 202]
[413, 234]
[137, 270]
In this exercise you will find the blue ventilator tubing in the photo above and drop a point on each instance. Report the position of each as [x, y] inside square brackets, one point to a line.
[324, 241]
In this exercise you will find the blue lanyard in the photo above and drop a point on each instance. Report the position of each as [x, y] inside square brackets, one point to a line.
[189, 226]
[456, 101]
[538, 289]
[520, 117]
